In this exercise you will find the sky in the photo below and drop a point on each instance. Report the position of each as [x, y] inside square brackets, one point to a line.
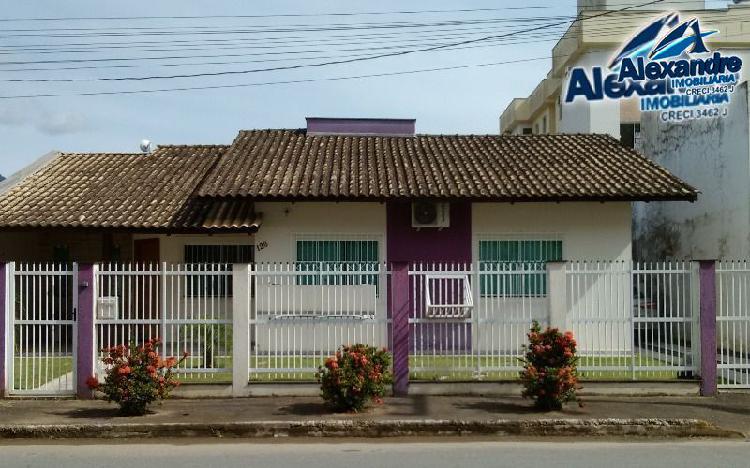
[146, 45]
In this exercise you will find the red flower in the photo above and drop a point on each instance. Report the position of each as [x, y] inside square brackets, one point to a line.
[92, 382]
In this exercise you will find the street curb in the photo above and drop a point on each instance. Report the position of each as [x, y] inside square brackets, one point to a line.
[635, 428]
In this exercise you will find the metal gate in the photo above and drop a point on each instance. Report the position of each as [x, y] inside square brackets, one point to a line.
[43, 329]
[733, 324]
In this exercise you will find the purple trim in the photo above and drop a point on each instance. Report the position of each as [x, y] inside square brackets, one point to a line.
[400, 324]
[85, 316]
[334, 126]
[707, 275]
[3, 337]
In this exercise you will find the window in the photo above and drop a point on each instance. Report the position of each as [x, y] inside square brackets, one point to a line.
[219, 254]
[544, 124]
[325, 256]
[503, 259]
[220, 258]
[527, 131]
[630, 133]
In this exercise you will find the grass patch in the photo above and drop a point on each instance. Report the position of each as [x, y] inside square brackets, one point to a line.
[36, 372]
[469, 367]
[30, 373]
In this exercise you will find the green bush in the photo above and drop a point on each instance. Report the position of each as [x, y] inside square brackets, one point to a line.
[354, 376]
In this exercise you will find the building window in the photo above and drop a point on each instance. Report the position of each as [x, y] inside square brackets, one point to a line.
[527, 131]
[544, 124]
[219, 254]
[504, 263]
[324, 257]
[210, 262]
[630, 134]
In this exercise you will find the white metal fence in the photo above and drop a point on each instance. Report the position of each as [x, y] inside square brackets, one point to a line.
[634, 320]
[470, 321]
[43, 329]
[189, 307]
[733, 324]
[302, 312]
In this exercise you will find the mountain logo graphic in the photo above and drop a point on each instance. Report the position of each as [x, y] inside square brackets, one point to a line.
[664, 38]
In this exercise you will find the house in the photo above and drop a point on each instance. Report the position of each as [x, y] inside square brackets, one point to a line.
[340, 190]
[339, 221]
[712, 154]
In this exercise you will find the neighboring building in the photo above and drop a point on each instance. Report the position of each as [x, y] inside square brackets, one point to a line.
[712, 156]
[340, 190]
[593, 41]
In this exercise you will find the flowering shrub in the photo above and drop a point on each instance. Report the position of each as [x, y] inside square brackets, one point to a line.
[353, 376]
[136, 376]
[549, 372]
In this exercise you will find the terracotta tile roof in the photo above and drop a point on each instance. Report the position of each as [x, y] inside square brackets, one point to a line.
[289, 164]
[112, 190]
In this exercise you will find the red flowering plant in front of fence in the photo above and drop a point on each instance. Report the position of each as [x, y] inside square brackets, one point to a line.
[549, 372]
[136, 376]
[354, 376]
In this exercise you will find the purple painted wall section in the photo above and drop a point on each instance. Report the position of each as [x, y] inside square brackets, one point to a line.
[3, 331]
[406, 244]
[333, 126]
[85, 317]
[430, 245]
[400, 308]
[707, 275]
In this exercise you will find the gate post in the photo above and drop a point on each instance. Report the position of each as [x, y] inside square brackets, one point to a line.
[83, 281]
[707, 278]
[5, 346]
[241, 276]
[557, 295]
[400, 325]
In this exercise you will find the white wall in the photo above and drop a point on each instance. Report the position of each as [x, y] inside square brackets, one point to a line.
[582, 116]
[588, 230]
[713, 156]
[283, 222]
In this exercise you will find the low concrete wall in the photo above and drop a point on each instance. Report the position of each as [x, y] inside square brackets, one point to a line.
[623, 389]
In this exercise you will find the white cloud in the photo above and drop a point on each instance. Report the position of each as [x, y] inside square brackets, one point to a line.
[44, 120]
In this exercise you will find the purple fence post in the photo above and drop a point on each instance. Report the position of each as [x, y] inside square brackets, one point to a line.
[4, 331]
[400, 325]
[707, 276]
[85, 316]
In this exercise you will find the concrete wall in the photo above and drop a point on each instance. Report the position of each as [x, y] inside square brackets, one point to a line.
[582, 116]
[713, 156]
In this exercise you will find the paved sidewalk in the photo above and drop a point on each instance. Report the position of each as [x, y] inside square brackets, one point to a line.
[729, 412]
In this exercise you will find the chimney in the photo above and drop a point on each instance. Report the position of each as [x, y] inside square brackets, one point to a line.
[364, 127]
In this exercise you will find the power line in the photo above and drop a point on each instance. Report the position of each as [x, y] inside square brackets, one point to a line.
[268, 83]
[351, 60]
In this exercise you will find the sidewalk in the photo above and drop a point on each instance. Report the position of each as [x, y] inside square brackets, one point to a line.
[724, 416]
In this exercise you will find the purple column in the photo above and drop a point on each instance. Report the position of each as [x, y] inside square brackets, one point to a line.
[4, 332]
[400, 325]
[85, 316]
[707, 275]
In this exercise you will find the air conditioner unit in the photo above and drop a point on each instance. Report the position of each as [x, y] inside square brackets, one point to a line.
[430, 214]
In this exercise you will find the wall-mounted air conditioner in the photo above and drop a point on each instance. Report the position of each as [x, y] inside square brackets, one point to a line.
[430, 214]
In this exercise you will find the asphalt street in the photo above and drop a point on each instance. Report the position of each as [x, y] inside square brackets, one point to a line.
[365, 454]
